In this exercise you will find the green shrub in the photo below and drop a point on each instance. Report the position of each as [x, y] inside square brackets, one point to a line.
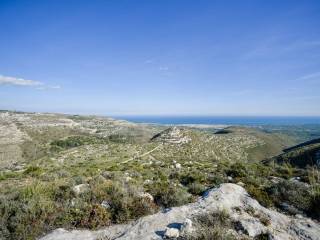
[142, 206]
[314, 209]
[260, 195]
[211, 226]
[98, 217]
[215, 180]
[78, 179]
[194, 176]
[286, 171]
[237, 170]
[8, 175]
[84, 215]
[293, 193]
[69, 142]
[125, 202]
[75, 141]
[196, 188]
[27, 213]
[263, 236]
[166, 195]
[33, 171]
[63, 193]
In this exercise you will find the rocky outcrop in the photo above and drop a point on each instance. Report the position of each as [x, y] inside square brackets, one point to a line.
[250, 217]
[173, 135]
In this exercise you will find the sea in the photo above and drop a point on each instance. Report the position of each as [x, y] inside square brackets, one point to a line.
[223, 120]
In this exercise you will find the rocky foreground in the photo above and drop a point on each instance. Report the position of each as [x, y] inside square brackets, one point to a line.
[250, 219]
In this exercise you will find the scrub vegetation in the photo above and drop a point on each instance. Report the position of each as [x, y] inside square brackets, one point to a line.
[91, 172]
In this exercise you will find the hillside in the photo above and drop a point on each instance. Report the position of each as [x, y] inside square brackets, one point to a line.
[90, 172]
[303, 155]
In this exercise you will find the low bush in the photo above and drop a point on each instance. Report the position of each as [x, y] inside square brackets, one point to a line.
[27, 212]
[262, 236]
[260, 195]
[8, 175]
[62, 193]
[83, 215]
[211, 226]
[192, 177]
[215, 179]
[299, 195]
[33, 171]
[196, 188]
[294, 193]
[32, 210]
[314, 209]
[125, 202]
[237, 170]
[75, 141]
[167, 195]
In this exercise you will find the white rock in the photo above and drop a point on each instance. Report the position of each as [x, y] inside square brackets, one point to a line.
[105, 204]
[128, 179]
[252, 227]
[186, 226]
[275, 180]
[147, 181]
[241, 184]
[81, 188]
[172, 233]
[228, 196]
[295, 179]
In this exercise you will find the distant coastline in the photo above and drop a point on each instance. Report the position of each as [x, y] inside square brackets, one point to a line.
[199, 121]
[221, 120]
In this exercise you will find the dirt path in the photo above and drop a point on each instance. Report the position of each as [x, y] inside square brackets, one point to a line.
[142, 155]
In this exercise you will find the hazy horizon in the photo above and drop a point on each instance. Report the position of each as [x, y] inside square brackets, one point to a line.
[195, 58]
[161, 115]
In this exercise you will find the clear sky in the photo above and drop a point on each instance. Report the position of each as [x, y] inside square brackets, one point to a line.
[161, 57]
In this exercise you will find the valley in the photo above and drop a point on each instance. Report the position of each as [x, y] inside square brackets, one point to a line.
[92, 172]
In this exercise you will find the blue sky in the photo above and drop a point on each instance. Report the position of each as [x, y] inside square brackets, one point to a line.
[169, 57]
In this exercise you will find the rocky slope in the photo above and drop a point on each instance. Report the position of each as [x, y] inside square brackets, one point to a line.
[249, 217]
[172, 135]
[24, 135]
